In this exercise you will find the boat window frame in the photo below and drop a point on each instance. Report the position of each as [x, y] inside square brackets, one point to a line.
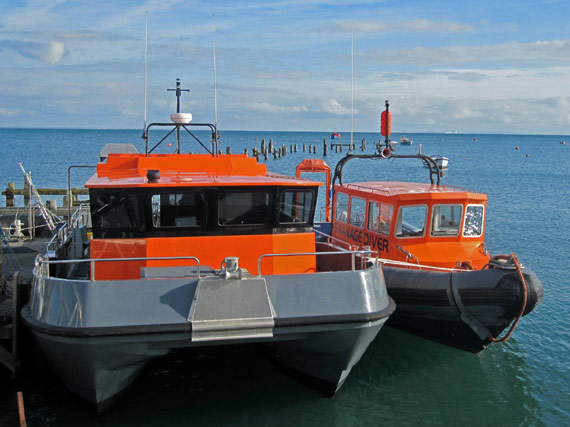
[309, 209]
[399, 221]
[336, 216]
[180, 191]
[459, 224]
[105, 225]
[482, 221]
[267, 217]
[363, 212]
[389, 222]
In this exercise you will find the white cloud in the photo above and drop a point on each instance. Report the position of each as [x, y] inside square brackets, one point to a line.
[332, 106]
[552, 50]
[50, 52]
[34, 14]
[378, 27]
[10, 112]
[272, 108]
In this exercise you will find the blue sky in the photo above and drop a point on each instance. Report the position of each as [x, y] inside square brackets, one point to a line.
[466, 66]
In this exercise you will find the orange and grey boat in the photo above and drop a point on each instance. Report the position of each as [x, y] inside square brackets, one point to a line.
[183, 250]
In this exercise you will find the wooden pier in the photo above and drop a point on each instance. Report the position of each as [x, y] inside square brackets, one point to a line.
[11, 192]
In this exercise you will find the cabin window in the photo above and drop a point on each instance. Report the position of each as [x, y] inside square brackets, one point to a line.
[341, 207]
[295, 206]
[357, 211]
[186, 209]
[411, 221]
[474, 220]
[446, 220]
[380, 217]
[115, 213]
[243, 207]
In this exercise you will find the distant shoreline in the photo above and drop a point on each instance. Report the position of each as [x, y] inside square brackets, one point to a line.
[303, 131]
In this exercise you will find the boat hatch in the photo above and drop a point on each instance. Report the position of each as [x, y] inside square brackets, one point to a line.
[231, 309]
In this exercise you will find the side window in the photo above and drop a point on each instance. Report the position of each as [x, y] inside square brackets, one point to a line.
[341, 207]
[474, 220]
[446, 220]
[357, 211]
[380, 217]
[178, 210]
[115, 212]
[411, 221]
[295, 206]
[243, 207]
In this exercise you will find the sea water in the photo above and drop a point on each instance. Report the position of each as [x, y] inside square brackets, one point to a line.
[401, 379]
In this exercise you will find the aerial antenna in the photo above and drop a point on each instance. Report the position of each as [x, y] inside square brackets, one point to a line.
[145, 64]
[215, 88]
[352, 87]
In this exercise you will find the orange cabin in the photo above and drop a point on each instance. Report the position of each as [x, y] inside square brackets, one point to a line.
[433, 225]
[209, 207]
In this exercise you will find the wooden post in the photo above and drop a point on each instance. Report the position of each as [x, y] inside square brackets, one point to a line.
[363, 146]
[10, 194]
[325, 147]
[27, 193]
[21, 411]
[245, 151]
[228, 150]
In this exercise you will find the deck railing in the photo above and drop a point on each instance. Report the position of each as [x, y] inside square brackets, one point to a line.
[42, 264]
[363, 254]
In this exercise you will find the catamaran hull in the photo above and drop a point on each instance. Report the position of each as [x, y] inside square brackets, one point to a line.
[99, 335]
[459, 309]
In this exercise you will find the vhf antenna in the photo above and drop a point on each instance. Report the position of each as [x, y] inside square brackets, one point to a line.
[145, 67]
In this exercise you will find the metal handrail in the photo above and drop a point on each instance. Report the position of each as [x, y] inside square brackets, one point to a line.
[40, 260]
[353, 253]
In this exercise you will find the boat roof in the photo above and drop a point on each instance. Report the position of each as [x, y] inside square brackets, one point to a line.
[413, 190]
[188, 170]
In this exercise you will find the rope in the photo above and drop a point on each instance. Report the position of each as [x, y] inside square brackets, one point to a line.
[514, 259]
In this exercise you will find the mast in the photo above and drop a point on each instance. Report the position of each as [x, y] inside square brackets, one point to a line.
[215, 88]
[178, 91]
[145, 64]
[352, 87]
